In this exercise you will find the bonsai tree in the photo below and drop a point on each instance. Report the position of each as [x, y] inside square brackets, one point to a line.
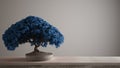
[34, 30]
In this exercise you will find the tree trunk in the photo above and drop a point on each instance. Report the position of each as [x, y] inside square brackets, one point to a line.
[36, 48]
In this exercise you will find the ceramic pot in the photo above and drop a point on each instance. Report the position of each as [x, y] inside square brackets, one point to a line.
[39, 56]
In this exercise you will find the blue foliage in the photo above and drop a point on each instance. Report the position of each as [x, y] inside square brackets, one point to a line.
[33, 30]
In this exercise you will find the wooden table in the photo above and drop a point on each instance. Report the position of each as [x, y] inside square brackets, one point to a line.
[62, 62]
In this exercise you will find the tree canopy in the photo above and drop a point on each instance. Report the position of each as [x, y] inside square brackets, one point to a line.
[34, 30]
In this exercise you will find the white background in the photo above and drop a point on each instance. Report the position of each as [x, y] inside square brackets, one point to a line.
[90, 27]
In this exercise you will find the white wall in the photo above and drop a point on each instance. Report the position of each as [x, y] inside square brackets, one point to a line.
[90, 27]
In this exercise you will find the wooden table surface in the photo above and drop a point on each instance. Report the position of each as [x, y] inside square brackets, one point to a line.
[61, 60]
